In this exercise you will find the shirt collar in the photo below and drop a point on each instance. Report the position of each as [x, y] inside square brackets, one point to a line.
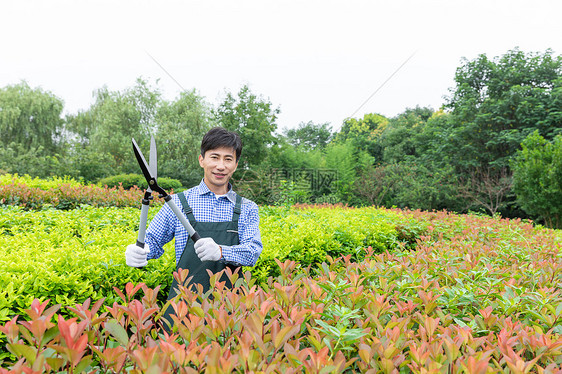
[204, 189]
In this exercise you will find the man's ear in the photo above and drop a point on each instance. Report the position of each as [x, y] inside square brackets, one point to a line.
[200, 160]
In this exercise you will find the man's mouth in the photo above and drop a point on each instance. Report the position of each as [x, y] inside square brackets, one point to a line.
[219, 175]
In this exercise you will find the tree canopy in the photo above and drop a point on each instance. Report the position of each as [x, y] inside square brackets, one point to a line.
[537, 178]
[31, 118]
[497, 102]
[254, 119]
[309, 135]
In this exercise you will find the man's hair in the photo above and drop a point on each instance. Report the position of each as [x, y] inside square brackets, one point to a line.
[219, 137]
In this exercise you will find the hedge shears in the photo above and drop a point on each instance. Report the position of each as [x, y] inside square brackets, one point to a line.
[150, 174]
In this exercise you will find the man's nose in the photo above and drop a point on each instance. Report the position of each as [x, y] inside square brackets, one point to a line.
[220, 164]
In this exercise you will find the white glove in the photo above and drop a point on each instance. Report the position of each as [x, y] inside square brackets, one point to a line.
[136, 256]
[208, 250]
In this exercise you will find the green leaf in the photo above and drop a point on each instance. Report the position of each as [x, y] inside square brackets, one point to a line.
[50, 334]
[353, 335]
[23, 350]
[535, 314]
[558, 310]
[118, 332]
[55, 362]
[284, 334]
[460, 322]
[84, 363]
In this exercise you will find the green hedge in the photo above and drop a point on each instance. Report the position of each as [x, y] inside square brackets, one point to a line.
[308, 235]
[42, 184]
[136, 180]
[68, 256]
[478, 295]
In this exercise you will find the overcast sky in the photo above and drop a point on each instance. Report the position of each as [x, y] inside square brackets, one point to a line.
[317, 60]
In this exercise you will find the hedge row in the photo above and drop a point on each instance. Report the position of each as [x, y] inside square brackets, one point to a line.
[69, 196]
[482, 297]
[67, 193]
[43, 184]
[66, 196]
[68, 256]
[308, 234]
[128, 181]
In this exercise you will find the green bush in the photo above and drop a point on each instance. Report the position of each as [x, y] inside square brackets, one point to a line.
[68, 256]
[126, 180]
[485, 299]
[308, 234]
[43, 184]
[129, 181]
[169, 184]
[537, 178]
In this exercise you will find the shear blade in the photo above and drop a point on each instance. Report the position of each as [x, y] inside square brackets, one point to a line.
[152, 161]
[143, 164]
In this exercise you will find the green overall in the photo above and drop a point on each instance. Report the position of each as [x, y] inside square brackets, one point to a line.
[223, 233]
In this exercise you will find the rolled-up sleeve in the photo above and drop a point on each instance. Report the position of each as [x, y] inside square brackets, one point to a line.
[248, 251]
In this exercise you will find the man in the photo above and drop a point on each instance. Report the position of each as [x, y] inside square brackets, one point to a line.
[227, 223]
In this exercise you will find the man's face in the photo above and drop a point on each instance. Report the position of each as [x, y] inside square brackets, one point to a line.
[218, 165]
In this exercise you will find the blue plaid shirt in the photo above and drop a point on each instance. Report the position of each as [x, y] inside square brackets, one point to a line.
[208, 208]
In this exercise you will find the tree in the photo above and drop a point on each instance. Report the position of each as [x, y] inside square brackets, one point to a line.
[484, 189]
[348, 161]
[309, 135]
[181, 126]
[254, 119]
[283, 155]
[432, 141]
[364, 133]
[15, 159]
[400, 137]
[537, 178]
[108, 126]
[423, 186]
[373, 185]
[498, 102]
[31, 126]
[31, 117]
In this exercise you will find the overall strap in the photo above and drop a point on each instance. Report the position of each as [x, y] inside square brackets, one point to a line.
[186, 208]
[237, 209]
